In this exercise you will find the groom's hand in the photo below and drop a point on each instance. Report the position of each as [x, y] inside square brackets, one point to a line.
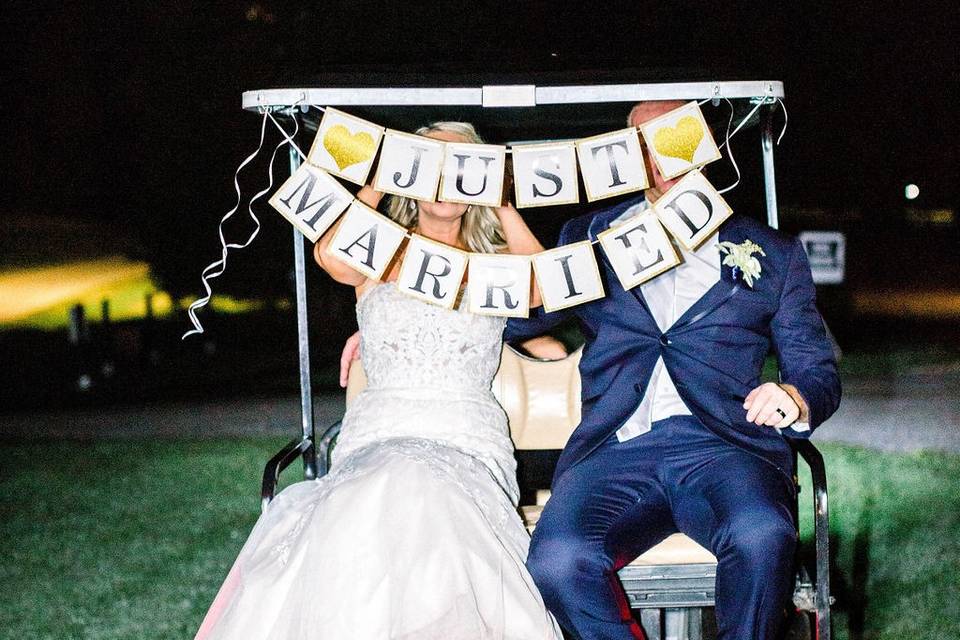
[351, 352]
[763, 402]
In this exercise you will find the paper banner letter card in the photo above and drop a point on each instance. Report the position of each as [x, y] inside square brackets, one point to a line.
[692, 210]
[568, 276]
[638, 250]
[612, 164]
[311, 200]
[345, 145]
[409, 166]
[366, 240]
[473, 174]
[545, 174]
[499, 285]
[432, 271]
[680, 140]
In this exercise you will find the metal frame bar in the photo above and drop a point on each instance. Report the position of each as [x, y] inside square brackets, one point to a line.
[473, 96]
[303, 342]
[769, 177]
[821, 536]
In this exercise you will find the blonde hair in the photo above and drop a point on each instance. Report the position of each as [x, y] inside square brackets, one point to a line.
[480, 229]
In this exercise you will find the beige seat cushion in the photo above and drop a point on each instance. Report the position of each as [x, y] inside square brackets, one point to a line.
[675, 549]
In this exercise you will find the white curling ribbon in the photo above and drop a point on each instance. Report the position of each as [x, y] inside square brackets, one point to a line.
[209, 272]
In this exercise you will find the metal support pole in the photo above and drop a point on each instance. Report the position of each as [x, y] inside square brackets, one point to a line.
[306, 395]
[769, 179]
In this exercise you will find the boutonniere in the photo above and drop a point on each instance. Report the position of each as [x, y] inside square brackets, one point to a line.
[740, 257]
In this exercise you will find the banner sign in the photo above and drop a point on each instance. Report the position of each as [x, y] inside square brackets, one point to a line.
[345, 146]
[545, 174]
[680, 141]
[639, 249]
[473, 174]
[499, 285]
[692, 210]
[612, 164]
[432, 271]
[409, 166]
[311, 200]
[568, 276]
[366, 240]
[548, 173]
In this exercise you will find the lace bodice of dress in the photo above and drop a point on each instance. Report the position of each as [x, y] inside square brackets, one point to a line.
[409, 343]
[429, 371]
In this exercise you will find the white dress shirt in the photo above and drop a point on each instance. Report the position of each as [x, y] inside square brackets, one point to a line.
[668, 296]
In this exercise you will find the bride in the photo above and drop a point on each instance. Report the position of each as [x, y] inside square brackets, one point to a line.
[414, 533]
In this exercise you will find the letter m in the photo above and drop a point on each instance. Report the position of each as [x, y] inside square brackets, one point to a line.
[310, 212]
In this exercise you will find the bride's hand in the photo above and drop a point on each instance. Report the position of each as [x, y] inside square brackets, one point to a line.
[351, 352]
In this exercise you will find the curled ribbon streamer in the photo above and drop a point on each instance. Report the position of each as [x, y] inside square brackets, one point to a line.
[784, 130]
[208, 272]
[288, 138]
[729, 147]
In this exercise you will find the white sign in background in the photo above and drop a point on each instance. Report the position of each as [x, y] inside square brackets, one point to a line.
[826, 252]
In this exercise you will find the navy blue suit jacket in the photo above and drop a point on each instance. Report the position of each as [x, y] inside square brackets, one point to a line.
[714, 352]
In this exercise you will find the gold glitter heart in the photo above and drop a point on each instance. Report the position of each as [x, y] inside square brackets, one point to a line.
[348, 148]
[680, 141]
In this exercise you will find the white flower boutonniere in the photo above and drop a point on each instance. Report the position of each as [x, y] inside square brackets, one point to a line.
[740, 257]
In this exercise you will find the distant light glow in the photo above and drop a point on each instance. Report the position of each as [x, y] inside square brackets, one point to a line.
[911, 191]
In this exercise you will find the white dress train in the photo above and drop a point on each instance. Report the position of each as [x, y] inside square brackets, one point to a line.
[414, 533]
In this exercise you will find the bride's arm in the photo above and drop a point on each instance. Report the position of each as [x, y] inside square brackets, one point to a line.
[338, 270]
[520, 241]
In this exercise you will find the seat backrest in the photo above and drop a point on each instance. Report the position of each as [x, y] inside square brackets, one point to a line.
[541, 397]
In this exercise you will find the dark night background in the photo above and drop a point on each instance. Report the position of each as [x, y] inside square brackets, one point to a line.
[130, 461]
[128, 115]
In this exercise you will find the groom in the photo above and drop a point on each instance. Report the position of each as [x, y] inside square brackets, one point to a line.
[677, 433]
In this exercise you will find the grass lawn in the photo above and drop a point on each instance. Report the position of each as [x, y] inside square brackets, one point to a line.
[131, 540]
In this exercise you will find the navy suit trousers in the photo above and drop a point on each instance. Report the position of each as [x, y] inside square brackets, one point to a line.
[626, 497]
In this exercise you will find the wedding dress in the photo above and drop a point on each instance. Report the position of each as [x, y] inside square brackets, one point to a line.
[414, 533]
